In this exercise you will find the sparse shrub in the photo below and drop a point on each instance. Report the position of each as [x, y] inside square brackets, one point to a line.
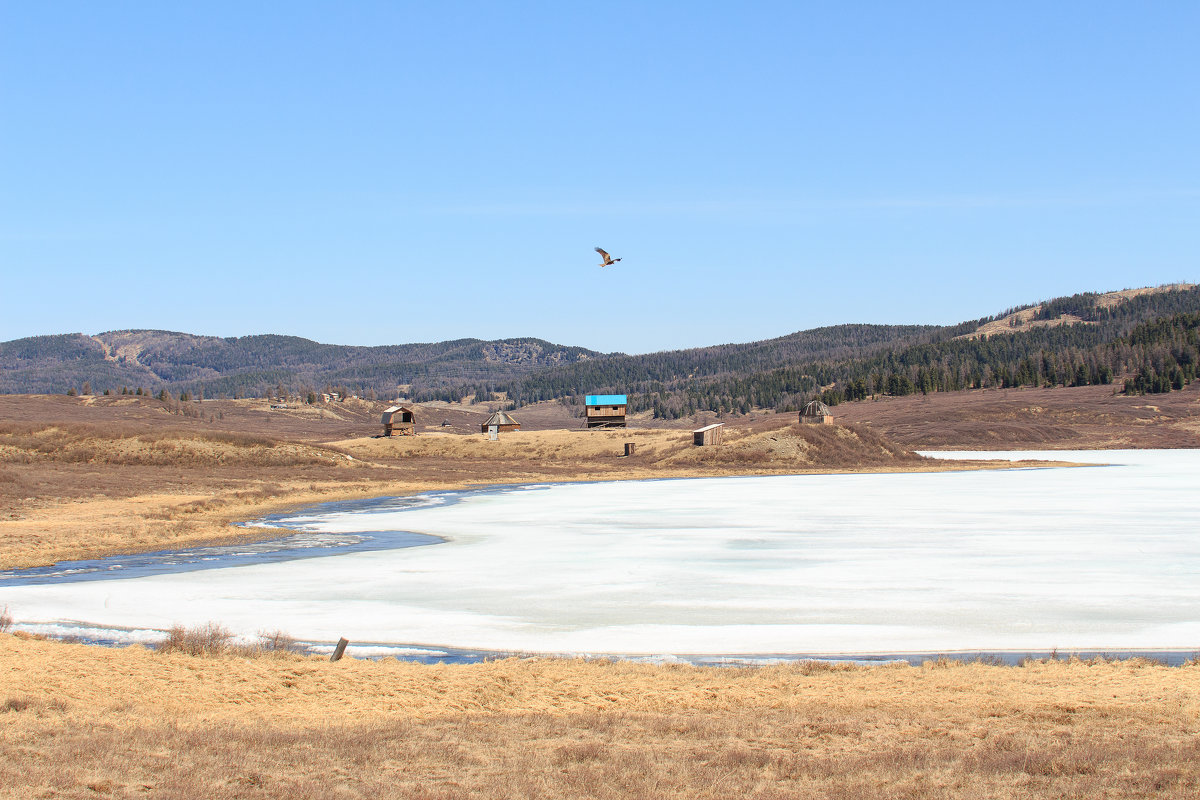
[16, 704]
[1145, 661]
[214, 639]
[809, 666]
[276, 642]
[209, 639]
[941, 662]
[13, 704]
[990, 659]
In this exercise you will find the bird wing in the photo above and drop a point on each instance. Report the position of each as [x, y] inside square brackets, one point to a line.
[603, 254]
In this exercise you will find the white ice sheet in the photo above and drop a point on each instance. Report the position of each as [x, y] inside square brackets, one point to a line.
[1075, 558]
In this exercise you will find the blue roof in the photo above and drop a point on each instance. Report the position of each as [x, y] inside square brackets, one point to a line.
[605, 400]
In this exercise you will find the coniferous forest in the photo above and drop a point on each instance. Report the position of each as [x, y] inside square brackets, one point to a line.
[1148, 343]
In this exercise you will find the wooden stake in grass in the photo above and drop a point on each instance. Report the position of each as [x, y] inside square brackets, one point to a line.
[340, 650]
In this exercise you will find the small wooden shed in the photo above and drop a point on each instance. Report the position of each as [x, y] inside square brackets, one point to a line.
[708, 435]
[817, 413]
[502, 421]
[605, 410]
[399, 421]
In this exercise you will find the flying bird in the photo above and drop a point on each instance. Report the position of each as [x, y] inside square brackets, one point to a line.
[608, 260]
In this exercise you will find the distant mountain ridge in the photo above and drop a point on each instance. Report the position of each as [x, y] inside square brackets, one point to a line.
[1068, 340]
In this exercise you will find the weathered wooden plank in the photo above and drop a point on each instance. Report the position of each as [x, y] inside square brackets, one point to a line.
[340, 650]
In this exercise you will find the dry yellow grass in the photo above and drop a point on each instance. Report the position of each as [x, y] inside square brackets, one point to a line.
[79, 720]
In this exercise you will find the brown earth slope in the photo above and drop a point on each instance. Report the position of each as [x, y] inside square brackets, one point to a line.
[1061, 418]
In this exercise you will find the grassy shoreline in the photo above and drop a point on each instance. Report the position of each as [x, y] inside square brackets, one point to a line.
[81, 721]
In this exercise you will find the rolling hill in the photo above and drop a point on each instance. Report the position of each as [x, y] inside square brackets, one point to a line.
[1147, 336]
[256, 365]
[1143, 339]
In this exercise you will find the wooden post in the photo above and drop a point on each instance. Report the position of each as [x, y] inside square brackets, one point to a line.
[340, 650]
[629, 447]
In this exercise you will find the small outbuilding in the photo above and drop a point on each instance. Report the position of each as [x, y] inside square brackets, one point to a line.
[817, 413]
[708, 435]
[501, 421]
[399, 421]
[605, 410]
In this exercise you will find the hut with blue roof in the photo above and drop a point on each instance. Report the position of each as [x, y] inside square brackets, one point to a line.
[605, 410]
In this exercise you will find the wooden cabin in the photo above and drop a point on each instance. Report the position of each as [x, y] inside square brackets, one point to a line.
[708, 435]
[502, 422]
[817, 413]
[605, 410]
[399, 421]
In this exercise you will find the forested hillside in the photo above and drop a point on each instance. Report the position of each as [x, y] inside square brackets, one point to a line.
[1143, 341]
[1149, 339]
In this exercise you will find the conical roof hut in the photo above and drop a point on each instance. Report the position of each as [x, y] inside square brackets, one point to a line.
[818, 412]
[503, 422]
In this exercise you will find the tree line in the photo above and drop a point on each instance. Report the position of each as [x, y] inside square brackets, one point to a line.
[1149, 340]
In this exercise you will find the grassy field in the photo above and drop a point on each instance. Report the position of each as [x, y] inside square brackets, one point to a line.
[79, 721]
[92, 476]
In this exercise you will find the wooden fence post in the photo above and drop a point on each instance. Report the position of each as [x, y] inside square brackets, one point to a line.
[340, 650]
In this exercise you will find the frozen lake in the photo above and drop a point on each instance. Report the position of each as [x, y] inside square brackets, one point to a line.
[1090, 558]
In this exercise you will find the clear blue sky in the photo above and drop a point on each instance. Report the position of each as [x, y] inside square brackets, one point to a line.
[373, 173]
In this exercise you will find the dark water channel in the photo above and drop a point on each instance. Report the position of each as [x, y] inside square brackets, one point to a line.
[304, 543]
